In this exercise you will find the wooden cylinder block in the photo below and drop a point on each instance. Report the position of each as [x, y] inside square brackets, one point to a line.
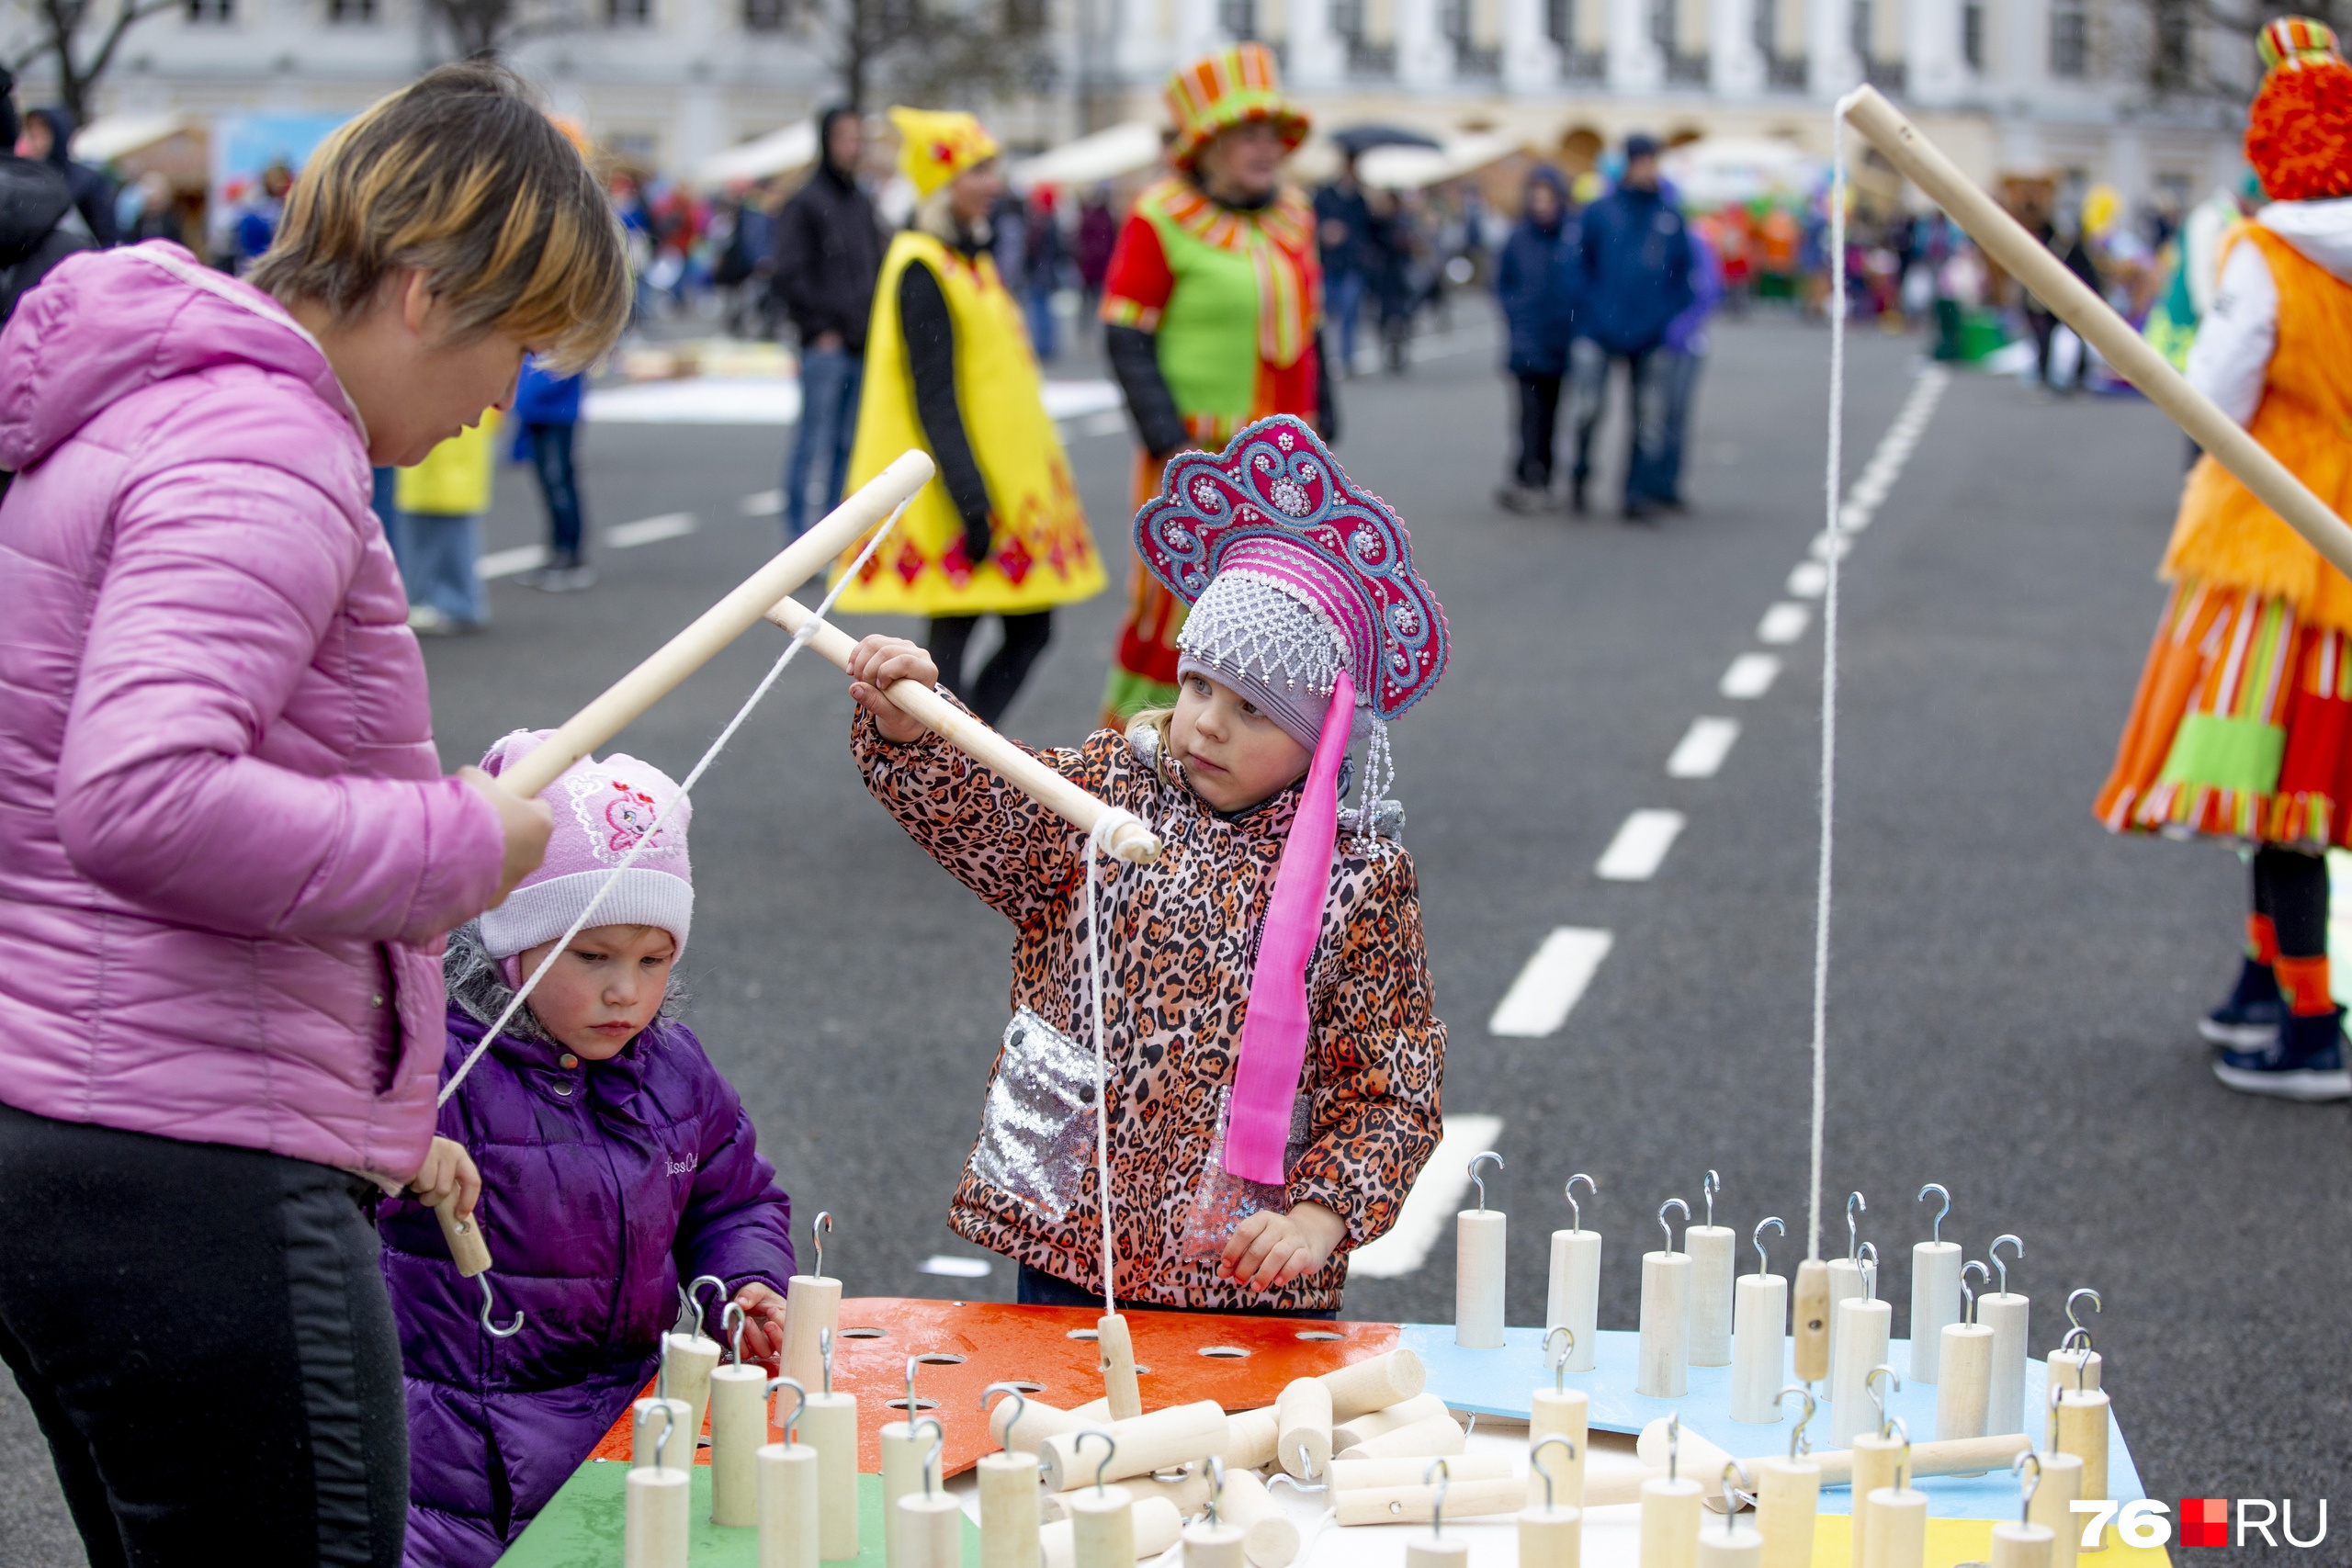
[739, 1430]
[1574, 1300]
[1009, 1510]
[1663, 1369]
[2068, 1370]
[1189, 1494]
[812, 1305]
[2018, 1545]
[1437, 1551]
[1437, 1436]
[1934, 1302]
[1551, 1538]
[1872, 1468]
[1670, 1518]
[1250, 1438]
[2052, 1505]
[1735, 1546]
[1093, 1538]
[1844, 1285]
[1118, 1353]
[655, 1519]
[902, 1455]
[1895, 1529]
[1967, 1370]
[1757, 1347]
[2082, 1431]
[1415, 1503]
[1037, 1423]
[1376, 1385]
[1379, 1423]
[2006, 1314]
[1303, 1442]
[467, 1250]
[1712, 1263]
[1557, 1413]
[1215, 1546]
[644, 1435]
[693, 1358]
[1269, 1537]
[1859, 1345]
[1161, 1440]
[829, 1425]
[1788, 1492]
[787, 1488]
[931, 1531]
[1480, 1251]
[1355, 1475]
[1809, 1323]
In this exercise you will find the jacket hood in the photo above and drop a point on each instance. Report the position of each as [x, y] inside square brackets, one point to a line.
[33, 197]
[108, 324]
[1546, 174]
[61, 135]
[2321, 230]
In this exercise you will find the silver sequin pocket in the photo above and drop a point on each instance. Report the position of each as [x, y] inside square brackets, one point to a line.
[1037, 1132]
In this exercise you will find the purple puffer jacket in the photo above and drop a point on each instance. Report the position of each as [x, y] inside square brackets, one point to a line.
[227, 851]
[606, 1186]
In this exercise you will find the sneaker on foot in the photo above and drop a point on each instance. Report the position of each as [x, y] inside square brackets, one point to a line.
[426, 621]
[2304, 1062]
[1521, 499]
[2248, 1020]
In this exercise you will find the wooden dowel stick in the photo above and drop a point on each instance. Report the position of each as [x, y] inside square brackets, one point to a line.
[1699, 1457]
[2004, 240]
[977, 740]
[467, 1249]
[628, 698]
[1116, 1357]
[788, 1506]
[1810, 1325]
[1009, 1514]
[1302, 1436]
[739, 1430]
[829, 1425]
[1362, 1387]
[1377, 1423]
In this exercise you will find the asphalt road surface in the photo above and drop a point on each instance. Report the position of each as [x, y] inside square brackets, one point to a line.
[2014, 991]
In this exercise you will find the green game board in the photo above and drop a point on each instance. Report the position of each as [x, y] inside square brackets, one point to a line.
[581, 1526]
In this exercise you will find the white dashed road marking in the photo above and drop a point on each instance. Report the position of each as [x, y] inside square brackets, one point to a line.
[1699, 753]
[1751, 675]
[1422, 1217]
[1640, 846]
[1552, 983]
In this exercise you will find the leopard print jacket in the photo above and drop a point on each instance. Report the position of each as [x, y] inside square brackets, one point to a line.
[1180, 938]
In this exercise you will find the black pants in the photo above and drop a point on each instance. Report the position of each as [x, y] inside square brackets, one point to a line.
[1539, 422]
[998, 682]
[2291, 888]
[203, 1333]
[559, 483]
[1037, 1288]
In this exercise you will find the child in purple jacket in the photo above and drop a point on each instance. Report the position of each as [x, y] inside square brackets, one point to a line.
[616, 1163]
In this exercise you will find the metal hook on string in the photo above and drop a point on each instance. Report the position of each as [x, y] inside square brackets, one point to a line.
[488, 1304]
[1535, 1462]
[691, 1310]
[669, 1421]
[1868, 1258]
[825, 1357]
[1477, 1160]
[1938, 1188]
[1968, 1308]
[1576, 1214]
[1109, 1451]
[1560, 1362]
[819, 1229]
[2074, 1325]
[792, 1427]
[1708, 1188]
[1020, 1406]
[2017, 1468]
[1674, 1446]
[1737, 1489]
[730, 1324]
[1855, 1204]
[1217, 1488]
[1994, 1252]
[1799, 1444]
[1878, 1396]
[1440, 1475]
[1764, 1258]
[931, 1455]
[1664, 1225]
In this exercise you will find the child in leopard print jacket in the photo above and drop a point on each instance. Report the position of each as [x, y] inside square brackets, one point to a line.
[1273, 1056]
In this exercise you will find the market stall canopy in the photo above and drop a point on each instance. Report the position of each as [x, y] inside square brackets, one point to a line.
[112, 136]
[1412, 168]
[1714, 170]
[777, 152]
[1122, 149]
[1357, 140]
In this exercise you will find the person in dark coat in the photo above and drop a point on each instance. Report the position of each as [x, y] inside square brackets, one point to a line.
[828, 253]
[547, 417]
[1343, 231]
[1637, 257]
[39, 225]
[1536, 283]
[46, 136]
[617, 1167]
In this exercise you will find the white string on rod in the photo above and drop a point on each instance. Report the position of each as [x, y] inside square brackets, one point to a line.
[1833, 541]
[799, 640]
[1098, 843]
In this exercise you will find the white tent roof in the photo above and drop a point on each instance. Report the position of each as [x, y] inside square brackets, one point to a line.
[110, 136]
[779, 151]
[1410, 168]
[1106, 155]
[1716, 169]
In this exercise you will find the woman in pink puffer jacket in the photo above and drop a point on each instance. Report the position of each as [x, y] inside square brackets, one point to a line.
[227, 854]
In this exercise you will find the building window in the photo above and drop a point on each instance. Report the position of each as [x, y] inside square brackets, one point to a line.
[764, 15]
[212, 11]
[1764, 27]
[1237, 18]
[2070, 39]
[1560, 22]
[1347, 19]
[2174, 57]
[1857, 29]
[349, 13]
[1971, 34]
[1662, 30]
[629, 13]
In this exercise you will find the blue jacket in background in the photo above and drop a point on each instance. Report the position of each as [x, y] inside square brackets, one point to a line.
[1636, 255]
[1687, 333]
[542, 396]
[1538, 281]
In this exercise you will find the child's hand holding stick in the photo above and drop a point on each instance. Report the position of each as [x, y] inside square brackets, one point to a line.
[876, 664]
[1269, 1250]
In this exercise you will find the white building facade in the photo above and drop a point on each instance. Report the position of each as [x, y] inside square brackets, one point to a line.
[2057, 88]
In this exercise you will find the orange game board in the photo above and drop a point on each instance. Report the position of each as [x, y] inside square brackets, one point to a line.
[1180, 1356]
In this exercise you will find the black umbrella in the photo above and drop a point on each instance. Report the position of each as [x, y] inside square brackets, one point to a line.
[1358, 140]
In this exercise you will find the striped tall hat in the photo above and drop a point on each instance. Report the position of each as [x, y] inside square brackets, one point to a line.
[1229, 88]
[2299, 133]
[2294, 42]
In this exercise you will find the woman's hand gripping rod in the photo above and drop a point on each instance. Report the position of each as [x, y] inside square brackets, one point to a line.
[2029, 261]
[660, 673]
[1131, 841]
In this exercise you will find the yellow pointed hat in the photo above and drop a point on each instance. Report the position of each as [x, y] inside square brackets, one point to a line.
[936, 145]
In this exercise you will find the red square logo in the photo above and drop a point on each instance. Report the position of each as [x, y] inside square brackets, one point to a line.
[2204, 1521]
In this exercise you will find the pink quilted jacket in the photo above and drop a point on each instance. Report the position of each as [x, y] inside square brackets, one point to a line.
[227, 851]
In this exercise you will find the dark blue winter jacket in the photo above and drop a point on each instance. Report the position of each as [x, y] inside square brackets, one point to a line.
[1636, 270]
[541, 397]
[1537, 282]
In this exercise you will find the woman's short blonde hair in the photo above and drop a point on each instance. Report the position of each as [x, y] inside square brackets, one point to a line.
[462, 176]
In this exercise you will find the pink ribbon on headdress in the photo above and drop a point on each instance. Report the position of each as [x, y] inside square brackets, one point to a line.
[1274, 1031]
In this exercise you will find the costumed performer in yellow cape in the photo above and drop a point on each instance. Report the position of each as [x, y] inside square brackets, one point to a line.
[948, 369]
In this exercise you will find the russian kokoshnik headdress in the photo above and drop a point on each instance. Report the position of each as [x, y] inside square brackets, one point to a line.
[1302, 596]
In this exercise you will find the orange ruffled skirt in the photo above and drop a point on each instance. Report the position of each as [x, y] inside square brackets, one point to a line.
[2242, 726]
